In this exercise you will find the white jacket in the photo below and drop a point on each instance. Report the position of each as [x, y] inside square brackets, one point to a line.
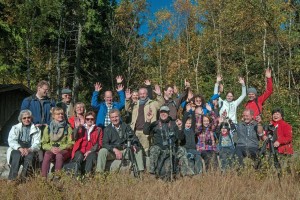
[14, 136]
[230, 107]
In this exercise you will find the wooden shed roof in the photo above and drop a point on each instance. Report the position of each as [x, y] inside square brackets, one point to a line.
[10, 87]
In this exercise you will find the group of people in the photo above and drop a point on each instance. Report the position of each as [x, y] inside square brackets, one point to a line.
[71, 137]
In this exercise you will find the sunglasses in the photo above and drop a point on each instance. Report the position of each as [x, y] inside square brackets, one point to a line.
[26, 117]
[89, 119]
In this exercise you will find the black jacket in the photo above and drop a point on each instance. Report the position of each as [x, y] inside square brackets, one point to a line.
[161, 130]
[111, 138]
[190, 135]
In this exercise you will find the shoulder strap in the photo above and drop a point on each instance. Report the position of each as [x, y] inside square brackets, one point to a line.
[256, 102]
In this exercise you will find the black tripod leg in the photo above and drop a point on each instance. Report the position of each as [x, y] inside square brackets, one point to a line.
[262, 153]
[123, 159]
[134, 166]
[276, 161]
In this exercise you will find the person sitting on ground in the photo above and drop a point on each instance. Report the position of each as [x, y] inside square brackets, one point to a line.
[255, 102]
[115, 138]
[160, 130]
[283, 136]
[225, 132]
[140, 110]
[206, 142]
[189, 121]
[87, 144]
[56, 141]
[66, 102]
[249, 132]
[229, 105]
[24, 140]
[105, 106]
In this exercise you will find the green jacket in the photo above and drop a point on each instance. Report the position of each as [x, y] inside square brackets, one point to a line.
[64, 143]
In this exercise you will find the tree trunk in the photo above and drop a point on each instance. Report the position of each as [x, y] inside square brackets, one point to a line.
[58, 69]
[77, 64]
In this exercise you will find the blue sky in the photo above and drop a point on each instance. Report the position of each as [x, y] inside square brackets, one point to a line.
[154, 6]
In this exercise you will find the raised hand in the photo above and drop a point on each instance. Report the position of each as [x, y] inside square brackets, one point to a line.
[188, 107]
[157, 90]
[175, 89]
[119, 79]
[120, 87]
[268, 73]
[190, 95]
[219, 78]
[147, 82]
[77, 122]
[97, 86]
[208, 107]
[258, 119]
[186, 84]
[221, 88]
[241, 80]
[127, 93]
[149, 115]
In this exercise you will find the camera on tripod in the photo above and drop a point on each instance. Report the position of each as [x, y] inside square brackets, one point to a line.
[270, 131]
[169, 138]
[130, 137]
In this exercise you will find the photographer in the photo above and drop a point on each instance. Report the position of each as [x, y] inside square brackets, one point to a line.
[115, 138]
[162, 131]
[282, 134]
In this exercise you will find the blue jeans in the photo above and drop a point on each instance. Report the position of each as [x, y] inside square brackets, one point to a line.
[194, 158]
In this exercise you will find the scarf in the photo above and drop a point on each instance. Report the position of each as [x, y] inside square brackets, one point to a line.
[143, 102]
[25, 134]
[57, 130]
[89, 131]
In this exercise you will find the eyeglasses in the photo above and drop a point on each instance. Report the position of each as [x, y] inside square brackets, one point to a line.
[89, 119]
[59, 113]
[26, 117]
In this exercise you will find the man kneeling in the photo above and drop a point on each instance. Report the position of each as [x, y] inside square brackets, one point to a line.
[116, 136]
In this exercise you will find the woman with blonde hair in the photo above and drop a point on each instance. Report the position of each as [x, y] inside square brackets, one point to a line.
[56, 141]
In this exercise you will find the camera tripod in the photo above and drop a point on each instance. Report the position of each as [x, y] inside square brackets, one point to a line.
[171, 168]
[131, 156]
[269, 142]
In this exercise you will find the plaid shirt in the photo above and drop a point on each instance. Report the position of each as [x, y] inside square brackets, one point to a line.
[206, 141]
[107, 120]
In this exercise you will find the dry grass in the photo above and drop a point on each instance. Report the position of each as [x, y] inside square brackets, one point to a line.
[249, 184]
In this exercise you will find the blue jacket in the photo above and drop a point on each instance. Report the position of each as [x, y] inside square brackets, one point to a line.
[41, 113]
[102, 108]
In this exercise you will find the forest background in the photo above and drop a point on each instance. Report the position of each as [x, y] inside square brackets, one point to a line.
[74, 43]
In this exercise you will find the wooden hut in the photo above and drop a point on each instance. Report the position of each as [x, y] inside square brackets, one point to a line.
[11, 97]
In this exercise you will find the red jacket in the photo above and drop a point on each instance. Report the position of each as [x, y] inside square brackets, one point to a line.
[284, 137]
[261, 99]
[93, 140]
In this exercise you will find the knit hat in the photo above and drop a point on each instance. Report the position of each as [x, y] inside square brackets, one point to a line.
[225, 125]
[66, 91]
[252, 90]
[164, 108]
[279, 110]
